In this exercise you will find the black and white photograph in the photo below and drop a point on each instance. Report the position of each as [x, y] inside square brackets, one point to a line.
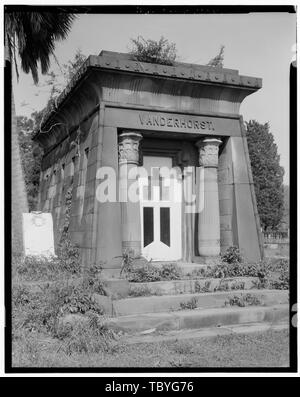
[150, 175]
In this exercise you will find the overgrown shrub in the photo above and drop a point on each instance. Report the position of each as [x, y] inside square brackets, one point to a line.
[170, 271]
[232, 255]
[225, 270]
[238, 285]
[161, 52]
[199, 288]
[222, 287]
[68, 254]
[92, 279]
[189, 305]
[149, 273]
[283, 280]
[33, 268]
[38, 268]
[92, 336]
[41, 311]
[243, 300]
[140, 291]
[128, 258]
[144, 273]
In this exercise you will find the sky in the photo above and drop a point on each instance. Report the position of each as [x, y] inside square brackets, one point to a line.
[257, 44]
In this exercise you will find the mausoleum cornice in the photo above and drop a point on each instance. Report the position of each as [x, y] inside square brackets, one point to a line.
[117, 78]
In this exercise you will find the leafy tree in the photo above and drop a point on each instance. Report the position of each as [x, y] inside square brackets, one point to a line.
[267, 174]
[31, 36]
[217, 61]
[152, 51]
[31, 157]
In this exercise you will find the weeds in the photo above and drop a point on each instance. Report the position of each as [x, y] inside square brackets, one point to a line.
[199, 288]
[149, 273]
[85, 337]
[38, 268]
[243, 300]
[40, 311]
[161, 51]
[143, 290]
[189, 305]
[170, 271]
[223, 286]
[239, 285]
[144, 273]
[232, 255]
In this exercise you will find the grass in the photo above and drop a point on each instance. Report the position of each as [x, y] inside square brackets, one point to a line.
[260, 349]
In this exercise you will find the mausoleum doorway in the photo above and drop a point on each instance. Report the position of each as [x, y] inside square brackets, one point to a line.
[160, 209]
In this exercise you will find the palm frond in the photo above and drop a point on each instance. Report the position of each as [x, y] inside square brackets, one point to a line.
[35, 34]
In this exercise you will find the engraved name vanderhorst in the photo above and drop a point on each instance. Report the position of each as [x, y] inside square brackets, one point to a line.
[175, 122]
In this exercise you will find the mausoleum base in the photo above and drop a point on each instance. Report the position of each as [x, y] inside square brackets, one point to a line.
[167, 305]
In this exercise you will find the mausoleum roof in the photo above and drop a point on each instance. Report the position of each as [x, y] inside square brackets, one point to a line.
[108, 61]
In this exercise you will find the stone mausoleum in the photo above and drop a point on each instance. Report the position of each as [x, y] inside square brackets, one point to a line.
[121, 115]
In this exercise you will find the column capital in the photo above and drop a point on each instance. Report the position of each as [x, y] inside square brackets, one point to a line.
[208, 152]
[129, 147]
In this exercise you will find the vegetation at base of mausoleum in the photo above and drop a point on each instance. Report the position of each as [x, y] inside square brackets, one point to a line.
[271, 273]
[42, 309]
[149, 272]
[232, 255]
[243, 300]
[142, 290]
[268, 348]
[224, 285]
[189, 305]
[42, 268]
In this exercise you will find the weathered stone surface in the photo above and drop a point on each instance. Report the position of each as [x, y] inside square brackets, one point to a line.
[156, 304]
[191, 319]
[116, 288]
[105, 302]
[177, 287]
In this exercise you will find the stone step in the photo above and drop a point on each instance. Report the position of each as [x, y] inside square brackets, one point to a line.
[153, 335]
[165, 303]
[201, 318]
[190, 286]
[187, 268]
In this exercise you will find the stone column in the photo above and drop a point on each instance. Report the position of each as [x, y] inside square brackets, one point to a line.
[128, 160]
[209, 215]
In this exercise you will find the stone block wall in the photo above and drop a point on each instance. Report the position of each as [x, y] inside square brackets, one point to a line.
[72, 167]
[239, 221]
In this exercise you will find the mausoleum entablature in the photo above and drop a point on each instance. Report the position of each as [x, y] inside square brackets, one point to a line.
[115, 79]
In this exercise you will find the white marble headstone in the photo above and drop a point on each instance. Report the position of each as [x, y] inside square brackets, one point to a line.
[38, 233]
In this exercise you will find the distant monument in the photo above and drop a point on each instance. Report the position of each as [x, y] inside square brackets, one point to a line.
[122, 114]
